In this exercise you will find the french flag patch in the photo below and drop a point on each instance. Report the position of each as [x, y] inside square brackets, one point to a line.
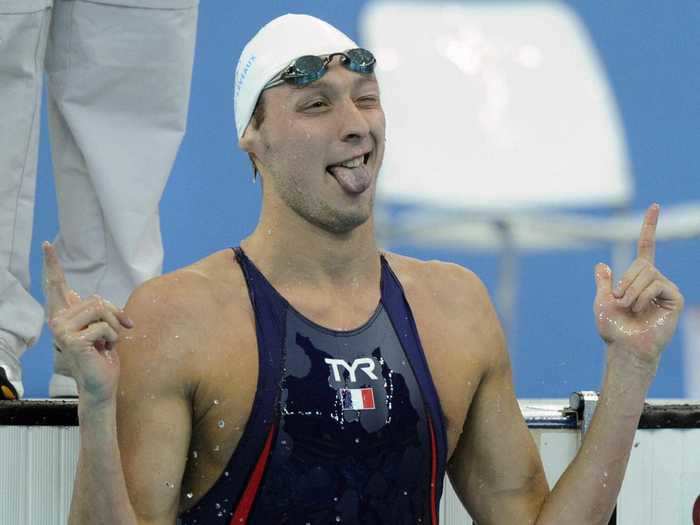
[357, 398]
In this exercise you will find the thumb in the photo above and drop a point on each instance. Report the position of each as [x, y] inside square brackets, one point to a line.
[603, 279]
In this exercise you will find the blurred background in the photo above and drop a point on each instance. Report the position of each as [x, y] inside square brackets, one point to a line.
[647, 51]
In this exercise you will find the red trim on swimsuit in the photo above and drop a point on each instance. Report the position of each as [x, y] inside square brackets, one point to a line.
[245, 505]
[433, 474]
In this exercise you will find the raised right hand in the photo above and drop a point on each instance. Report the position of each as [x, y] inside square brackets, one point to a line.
[85, 331]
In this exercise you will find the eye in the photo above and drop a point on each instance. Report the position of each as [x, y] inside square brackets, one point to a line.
[368, 101]
[315, 105]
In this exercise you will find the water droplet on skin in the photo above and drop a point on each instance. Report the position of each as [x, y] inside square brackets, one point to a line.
[221, 423]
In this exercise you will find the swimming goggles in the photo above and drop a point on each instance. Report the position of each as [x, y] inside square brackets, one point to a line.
[309, 68]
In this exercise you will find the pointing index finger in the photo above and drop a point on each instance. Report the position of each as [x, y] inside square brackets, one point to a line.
[55, 288]
[646, 246]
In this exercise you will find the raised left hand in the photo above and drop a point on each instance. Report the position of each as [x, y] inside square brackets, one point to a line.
[640, 314]
[84, 330]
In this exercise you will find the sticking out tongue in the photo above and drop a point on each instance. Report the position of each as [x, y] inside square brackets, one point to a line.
[352, 180]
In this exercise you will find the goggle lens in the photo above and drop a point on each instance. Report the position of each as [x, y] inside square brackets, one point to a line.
[305, 70]
[359, 60]
[309, 68]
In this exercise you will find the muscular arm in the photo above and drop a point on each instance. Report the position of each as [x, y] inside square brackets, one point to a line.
[99, 492]
[134, 446]
[588, 489]
[496, 468]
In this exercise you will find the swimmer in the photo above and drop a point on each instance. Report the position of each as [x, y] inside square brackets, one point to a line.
[309, 377]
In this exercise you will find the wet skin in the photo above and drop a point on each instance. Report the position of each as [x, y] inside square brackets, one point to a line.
[305, 131]
[190, 361]
[211, 360]
[206, 350]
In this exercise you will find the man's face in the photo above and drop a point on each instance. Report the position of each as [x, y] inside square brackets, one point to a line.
[309, 132]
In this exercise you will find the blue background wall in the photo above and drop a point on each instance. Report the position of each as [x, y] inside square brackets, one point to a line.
[651, 51]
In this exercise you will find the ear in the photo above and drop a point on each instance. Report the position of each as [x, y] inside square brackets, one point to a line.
[251, 137]
[248, 143]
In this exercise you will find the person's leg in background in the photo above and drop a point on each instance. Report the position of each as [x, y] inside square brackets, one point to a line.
[23, 33]
[119, 76]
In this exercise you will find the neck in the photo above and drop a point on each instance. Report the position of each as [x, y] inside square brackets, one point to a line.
[291, 251]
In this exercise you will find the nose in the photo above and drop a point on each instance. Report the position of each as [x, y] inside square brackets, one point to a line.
[354, 124]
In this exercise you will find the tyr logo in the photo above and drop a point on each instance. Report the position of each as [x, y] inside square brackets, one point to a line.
[365, 363]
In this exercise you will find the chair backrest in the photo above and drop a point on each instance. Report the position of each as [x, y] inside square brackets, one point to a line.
[494, 106]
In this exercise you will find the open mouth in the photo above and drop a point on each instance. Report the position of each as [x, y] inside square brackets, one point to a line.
[353, 163]
[353, 174]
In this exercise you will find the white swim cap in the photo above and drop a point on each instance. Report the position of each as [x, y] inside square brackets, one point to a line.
[274, 48]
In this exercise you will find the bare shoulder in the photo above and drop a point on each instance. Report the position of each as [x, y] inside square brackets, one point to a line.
[174, 314]
[449, 285]
[187, 292]
[451, 298]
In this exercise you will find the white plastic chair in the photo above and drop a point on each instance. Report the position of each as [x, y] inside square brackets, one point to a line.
[501, 128]
[500, 123]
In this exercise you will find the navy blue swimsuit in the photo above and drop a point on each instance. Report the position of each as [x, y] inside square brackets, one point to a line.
[346, 426]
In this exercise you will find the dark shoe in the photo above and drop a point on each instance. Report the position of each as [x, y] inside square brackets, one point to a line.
[8, 392]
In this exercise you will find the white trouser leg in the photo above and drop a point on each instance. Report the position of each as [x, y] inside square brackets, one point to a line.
[119, 84]
[23, 33]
